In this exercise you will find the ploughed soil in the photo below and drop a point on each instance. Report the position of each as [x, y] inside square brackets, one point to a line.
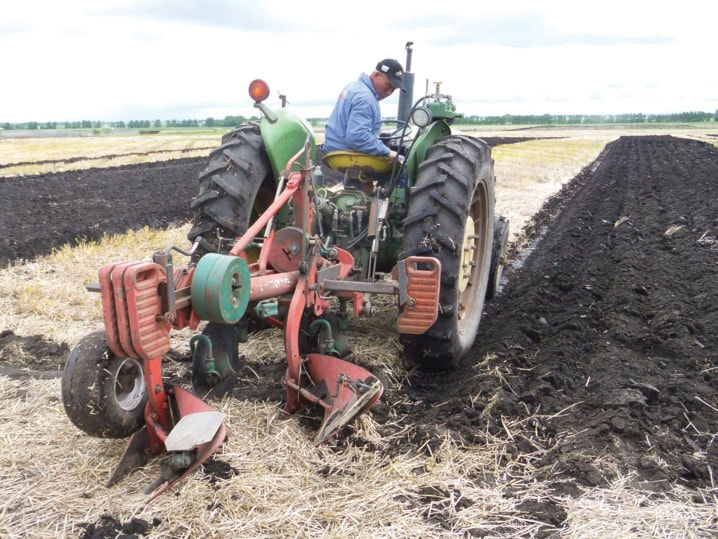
[602, 341]
[43, 212]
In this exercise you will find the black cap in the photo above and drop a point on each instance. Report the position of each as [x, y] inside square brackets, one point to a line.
[393, 70]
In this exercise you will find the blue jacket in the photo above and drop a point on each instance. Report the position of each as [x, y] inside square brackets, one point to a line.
[355, 121]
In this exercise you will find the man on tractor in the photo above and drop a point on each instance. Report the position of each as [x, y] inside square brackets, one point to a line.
[355, 121]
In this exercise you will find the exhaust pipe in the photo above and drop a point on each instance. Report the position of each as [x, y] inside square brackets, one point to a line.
[406, 98]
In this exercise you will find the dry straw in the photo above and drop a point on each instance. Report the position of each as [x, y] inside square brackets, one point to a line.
[279, 485]
[274, 482]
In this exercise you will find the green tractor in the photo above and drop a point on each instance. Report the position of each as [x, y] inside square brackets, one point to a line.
[439, 204]
[276, 246]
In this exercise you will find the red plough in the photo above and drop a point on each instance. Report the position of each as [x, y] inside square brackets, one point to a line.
[294, 273]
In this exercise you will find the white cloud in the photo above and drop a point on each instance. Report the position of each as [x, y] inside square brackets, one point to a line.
[124, 59]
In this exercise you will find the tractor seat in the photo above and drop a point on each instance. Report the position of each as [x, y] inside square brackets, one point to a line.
[357, 163]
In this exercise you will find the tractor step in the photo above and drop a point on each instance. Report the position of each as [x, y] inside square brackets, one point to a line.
[419, 284]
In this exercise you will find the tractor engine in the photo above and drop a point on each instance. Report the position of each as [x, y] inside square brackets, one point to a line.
[344, 216]
[358, 223]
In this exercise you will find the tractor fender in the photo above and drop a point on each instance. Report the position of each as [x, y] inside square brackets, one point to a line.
[284, 136]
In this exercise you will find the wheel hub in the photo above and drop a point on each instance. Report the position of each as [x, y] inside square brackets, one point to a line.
[129, 384]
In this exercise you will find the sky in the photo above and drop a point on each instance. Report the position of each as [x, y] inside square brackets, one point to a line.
[112, 60]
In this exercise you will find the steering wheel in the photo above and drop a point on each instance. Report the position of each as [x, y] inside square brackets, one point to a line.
[402, 130]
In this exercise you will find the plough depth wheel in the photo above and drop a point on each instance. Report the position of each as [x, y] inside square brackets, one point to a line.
[103, 394]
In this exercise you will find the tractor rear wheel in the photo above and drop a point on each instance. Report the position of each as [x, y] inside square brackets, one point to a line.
[451, 217]
[234, 188]
[103, 394]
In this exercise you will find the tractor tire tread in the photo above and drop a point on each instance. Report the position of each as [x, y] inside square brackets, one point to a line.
[439, 206]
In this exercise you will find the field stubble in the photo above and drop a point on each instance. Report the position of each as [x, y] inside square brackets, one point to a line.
[276, 483]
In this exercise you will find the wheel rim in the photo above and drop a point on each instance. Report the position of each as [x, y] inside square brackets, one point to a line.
[129, 384]
[467, 255]
[474, 267]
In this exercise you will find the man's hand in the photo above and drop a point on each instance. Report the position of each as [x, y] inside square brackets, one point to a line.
[393, 156]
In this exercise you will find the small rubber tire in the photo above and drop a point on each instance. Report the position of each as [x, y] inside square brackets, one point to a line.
[104, 395]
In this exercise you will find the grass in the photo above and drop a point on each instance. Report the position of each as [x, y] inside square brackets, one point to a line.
[280, 484]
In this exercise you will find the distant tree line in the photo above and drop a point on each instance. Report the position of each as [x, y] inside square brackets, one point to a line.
[579, 119]
[228, 121]
[506, 119]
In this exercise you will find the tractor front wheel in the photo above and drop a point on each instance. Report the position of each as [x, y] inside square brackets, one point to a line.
[103, 394]
[451, 217]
